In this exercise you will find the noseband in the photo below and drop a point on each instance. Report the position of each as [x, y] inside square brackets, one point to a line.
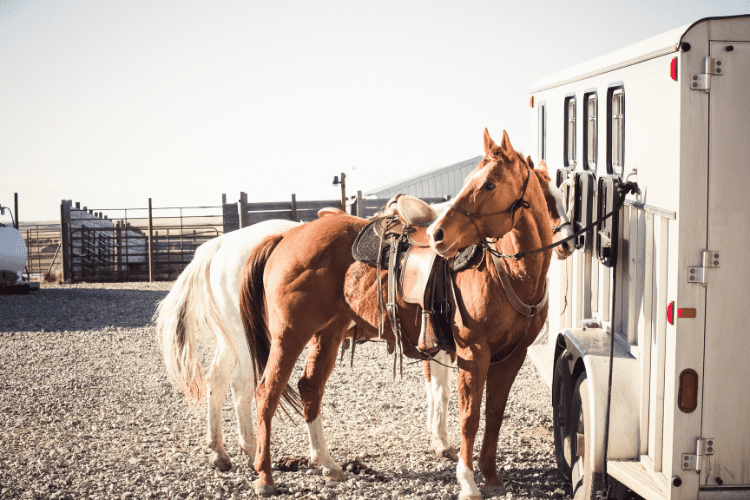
[514, 207]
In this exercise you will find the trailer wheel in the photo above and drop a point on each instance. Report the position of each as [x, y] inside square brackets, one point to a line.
[564, 423]
[586, 482]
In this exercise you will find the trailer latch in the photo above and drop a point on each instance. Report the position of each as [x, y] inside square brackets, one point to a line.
[697, 274]
[703, 449]
[702, 81]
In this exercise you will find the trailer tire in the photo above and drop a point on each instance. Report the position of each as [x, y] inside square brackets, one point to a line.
[586, 482]
[564, 423]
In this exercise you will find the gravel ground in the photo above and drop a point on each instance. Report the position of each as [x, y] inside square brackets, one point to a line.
[86, 411]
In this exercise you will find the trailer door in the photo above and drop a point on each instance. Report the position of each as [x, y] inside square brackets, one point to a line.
[726, 383]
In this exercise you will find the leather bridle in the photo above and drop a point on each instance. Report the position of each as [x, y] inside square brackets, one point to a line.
[514, 207]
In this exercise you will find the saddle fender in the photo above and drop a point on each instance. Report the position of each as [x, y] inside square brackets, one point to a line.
[591, 347]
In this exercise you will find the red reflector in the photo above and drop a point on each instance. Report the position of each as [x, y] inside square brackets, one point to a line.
[673, 69]
[670, 313]
[687, 396]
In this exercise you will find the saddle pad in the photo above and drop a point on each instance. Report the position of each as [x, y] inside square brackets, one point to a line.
[365, 247]
[467, 258]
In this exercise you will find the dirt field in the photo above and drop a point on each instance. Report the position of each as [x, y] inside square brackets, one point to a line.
[86, 411]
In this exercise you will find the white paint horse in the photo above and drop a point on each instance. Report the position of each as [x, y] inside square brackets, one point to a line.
[206, 297]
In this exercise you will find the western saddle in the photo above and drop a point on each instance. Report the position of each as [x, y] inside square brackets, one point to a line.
[397, 238]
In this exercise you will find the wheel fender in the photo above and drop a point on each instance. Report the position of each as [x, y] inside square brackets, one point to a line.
[592, 346]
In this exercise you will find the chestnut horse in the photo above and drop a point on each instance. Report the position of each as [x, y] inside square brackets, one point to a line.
[304, 288]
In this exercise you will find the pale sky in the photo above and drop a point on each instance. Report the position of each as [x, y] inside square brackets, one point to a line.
[112, 102]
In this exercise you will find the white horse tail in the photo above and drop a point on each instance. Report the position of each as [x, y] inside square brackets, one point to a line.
[188, 307]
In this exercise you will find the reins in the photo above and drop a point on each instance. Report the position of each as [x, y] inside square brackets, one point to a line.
[623, 189]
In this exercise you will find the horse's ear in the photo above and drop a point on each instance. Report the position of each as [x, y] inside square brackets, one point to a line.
[506, 146]
[543, 166]
[530, 162]
[489, 144]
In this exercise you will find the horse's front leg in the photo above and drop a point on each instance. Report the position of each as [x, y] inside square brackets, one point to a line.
[472, 374]
[500, 378]
[321, 359]
[438, 381]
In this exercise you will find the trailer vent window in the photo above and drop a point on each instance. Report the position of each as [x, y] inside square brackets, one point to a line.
[616, 131]
[590, 132]
[542, 131]
[570, 132]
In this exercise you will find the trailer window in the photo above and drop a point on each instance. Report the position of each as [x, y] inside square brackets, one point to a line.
[542, 131]
[569, 154]
[590, 131]
[616, 131]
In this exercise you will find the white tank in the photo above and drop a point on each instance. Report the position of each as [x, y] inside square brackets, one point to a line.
[12, 250]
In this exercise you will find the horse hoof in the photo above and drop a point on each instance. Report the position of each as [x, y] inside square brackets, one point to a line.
[221, 463]
[264, 490]
[334, 474]
[450, 454]
[494, 490]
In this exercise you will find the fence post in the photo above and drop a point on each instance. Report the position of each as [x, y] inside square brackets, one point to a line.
[118, 250]
[242, 210]
[343, 191]
[360, 205]
[150, 244]
[223, 198]
[294, 207]
[15, 210]
[65, 239]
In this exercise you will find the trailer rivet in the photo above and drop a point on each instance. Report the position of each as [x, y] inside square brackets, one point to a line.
[718, 70]
[710, 443]
[718, 63]
[695, 84]
[676, 481]
[692, 278]
[716, 262]
[716, 256]
[692, 271]
[695, 77]
[710, 450]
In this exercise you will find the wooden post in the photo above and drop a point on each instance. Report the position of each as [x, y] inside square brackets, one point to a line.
[343, 191]
[360, 205]
[65, 239]
[15, 210]
[150, 244]
[294, 207]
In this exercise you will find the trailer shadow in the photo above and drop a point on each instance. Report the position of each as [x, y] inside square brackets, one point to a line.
[73, 309]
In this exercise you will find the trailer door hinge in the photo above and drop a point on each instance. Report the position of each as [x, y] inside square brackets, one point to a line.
[702, 81]
[703, 449]
[697, 274]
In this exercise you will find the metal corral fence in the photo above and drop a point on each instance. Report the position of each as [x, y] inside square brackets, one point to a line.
[133, 244]
[42, 248]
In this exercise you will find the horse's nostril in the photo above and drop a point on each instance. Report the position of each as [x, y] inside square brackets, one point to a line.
[437, 235]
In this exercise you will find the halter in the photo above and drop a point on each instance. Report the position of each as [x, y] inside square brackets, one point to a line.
[513, 208]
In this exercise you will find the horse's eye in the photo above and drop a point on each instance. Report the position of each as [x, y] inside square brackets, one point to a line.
[488, 186]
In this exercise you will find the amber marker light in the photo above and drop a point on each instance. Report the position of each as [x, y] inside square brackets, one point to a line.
[687, 396]
[531, 101]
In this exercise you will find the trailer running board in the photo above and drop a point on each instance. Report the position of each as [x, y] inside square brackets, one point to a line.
[636, 477]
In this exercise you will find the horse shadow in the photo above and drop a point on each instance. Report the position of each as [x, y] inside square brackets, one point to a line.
[72, 309]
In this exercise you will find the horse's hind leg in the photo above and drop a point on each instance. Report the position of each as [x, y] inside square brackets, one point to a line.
[218, 382]
[438, 381]
[243, 392]
[500, 378]
[321, 359]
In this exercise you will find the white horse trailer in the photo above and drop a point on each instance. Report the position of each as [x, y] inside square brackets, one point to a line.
[668, 278]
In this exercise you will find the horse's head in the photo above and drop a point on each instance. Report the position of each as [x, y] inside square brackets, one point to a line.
[561, 226]
[487, 204]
